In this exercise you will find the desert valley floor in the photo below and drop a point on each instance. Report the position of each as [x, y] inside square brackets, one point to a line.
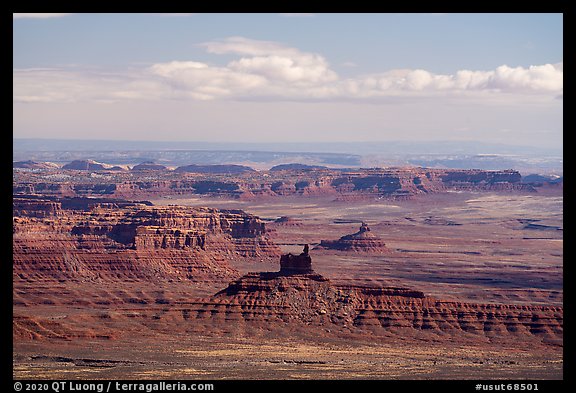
[483, 248]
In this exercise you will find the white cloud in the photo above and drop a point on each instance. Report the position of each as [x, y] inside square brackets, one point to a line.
[59, 85]
[276, 63]
[169, 69]
[37, 16]
[546, 77]
[304, 69]
[266, 70]
[543, 79]
[199, 81]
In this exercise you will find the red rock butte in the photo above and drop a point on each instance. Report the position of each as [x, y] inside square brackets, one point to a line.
[296, 264]
[362, 241]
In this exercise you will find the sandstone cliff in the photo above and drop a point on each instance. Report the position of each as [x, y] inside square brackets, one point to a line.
[101, 239]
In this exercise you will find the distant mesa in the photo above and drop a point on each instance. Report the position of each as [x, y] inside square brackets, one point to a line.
[29, 164]
[238, 181]
[291, 167]
[84, 165]
[117, 168]
[225, 169]
[536, 179]
[149, 166]
[362, 241]
[480, 177]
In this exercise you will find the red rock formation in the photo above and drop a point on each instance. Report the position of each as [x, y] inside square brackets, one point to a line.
[35, 207]
[294, 299]
[276, 300]
[485, 180]
[133, 241]
[42, 188]
[390, 183]
[296, 264]
[362, 241]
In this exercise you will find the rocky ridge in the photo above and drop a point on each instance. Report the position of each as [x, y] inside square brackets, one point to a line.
[309, 299]
[30, 164]
[243, 182]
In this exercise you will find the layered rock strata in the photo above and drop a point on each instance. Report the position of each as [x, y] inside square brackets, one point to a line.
[362, 241]
[277, 299]
[90, 240]
[229, 181]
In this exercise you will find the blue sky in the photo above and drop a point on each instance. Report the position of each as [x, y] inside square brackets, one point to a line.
[275, 77]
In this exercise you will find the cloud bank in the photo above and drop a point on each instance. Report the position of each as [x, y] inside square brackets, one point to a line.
[265, 70]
